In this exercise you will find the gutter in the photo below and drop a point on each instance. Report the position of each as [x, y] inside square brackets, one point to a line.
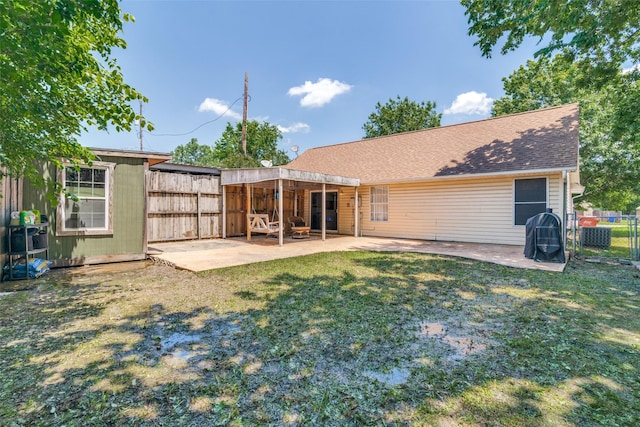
[564, 171]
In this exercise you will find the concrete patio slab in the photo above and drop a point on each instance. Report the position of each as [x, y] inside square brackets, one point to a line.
[219, 253]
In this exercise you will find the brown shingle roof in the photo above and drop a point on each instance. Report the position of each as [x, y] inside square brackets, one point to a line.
[538, 140]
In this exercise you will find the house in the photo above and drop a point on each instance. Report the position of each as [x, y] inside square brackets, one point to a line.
[470, 182]
[108, 221]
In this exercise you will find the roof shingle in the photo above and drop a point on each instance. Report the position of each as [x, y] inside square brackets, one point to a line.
[538, 140]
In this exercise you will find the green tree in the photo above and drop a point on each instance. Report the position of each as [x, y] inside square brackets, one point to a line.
[57, 78]
[193, 153]
[595, 39]
[262, 144]
[599, 35]
[610, 146]
[401, 115]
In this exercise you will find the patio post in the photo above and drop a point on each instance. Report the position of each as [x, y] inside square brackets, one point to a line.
[356, 214]
[224, 211]
[280, 209]
[248, 201]
[324, 211]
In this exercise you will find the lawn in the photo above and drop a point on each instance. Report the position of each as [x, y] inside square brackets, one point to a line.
[350, 338]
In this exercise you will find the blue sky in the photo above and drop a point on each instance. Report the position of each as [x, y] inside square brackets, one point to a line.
[316, 68]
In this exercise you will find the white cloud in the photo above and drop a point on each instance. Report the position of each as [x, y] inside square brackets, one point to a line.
[219, 108]
[296, 127]
[259, 119]
[319, 93]
[471, 103]
[631, 69]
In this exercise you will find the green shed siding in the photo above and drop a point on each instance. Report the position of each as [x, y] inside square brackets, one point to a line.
[127, 215]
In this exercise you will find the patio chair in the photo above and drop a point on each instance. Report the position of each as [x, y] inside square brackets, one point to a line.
[299, 228]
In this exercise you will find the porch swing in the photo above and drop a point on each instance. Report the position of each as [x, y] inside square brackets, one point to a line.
[261, 223]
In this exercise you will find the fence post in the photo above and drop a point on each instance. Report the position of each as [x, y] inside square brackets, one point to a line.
[571, 217]
[199, 214]
[575, 232]
[636, 250]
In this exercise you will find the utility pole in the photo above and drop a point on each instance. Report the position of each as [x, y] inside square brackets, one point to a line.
[140, 126]
[244, 114]
[245, 187]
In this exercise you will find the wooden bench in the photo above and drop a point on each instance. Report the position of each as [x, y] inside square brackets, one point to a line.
[259, 223]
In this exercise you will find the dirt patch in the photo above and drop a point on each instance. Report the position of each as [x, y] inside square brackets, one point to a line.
[460, 346]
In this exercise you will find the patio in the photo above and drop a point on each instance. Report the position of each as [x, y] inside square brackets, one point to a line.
[211, 254]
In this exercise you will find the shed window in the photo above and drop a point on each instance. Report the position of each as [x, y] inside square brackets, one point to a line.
[530, 199]
[379, 204]
[87, 208]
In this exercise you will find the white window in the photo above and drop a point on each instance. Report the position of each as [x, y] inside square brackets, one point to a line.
[530, 196]
[87, 208]
[379, 204]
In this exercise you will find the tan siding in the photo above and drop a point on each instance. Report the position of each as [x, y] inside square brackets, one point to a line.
[473, 210]
[345, 211]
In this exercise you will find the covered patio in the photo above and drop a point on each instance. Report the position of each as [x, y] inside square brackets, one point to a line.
[271, 218]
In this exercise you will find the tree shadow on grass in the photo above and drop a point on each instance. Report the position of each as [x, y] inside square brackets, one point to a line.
[377, 338]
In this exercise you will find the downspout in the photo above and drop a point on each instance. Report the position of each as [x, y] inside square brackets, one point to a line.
[573, 211]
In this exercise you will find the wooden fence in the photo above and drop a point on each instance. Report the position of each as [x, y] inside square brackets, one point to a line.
[11, 191]
[183, 206]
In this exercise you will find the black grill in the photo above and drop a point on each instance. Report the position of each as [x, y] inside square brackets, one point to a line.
[544, 238]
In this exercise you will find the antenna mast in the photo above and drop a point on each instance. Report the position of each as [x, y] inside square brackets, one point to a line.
[244, 114]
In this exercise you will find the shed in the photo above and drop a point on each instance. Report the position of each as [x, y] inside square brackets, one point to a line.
[107, 222]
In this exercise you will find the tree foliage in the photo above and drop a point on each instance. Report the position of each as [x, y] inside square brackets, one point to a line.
[193, 153]
[401, 115]
[262, 144]
[609, 138]
[601, 35]
[57, 78]
[595, 39]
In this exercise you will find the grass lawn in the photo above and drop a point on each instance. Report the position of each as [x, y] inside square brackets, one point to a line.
[352, 338]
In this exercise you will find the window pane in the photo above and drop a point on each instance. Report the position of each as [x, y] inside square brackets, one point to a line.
[379, 203]
[83, 190]
[91, 214]
[99, 190]
[89, 185]
[531, 190]
[71, 178]
[99, 175]
[527, 210]
[86, 175]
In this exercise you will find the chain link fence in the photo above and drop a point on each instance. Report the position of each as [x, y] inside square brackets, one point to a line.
[605, 235]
